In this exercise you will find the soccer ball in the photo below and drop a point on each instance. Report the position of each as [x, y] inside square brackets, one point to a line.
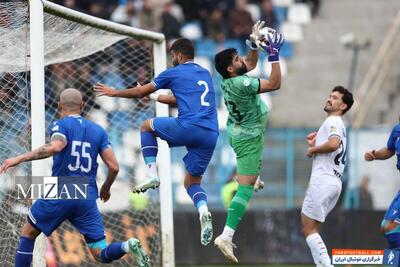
[264, 34]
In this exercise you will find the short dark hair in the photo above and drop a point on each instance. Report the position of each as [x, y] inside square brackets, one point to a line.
[222, 61]
[184, 46]
[347, 97]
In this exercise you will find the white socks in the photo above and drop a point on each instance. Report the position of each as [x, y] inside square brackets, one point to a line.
[318, 250]
[125, 246]
[228, 233]
[202, 209]
[152, 170]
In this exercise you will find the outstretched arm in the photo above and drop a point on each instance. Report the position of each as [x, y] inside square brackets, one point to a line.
[136, 92]
[56, 144]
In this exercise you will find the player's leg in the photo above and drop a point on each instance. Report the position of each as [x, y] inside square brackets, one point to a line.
[390, 225]
[44, 216]
[168, 129]
[149, 152]
[89, 222]
[108, 253]
[199, 198]
[248, 155]
[196, 161]
[311, 230]
[23, 256]
[318, 202]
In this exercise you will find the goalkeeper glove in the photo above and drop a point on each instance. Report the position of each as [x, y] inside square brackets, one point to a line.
[254, 36]
[273, 46]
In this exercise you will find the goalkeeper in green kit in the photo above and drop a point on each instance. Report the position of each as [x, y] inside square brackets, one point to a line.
[248, 116]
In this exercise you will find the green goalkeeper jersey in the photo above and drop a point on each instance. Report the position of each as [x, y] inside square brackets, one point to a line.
[248, 114]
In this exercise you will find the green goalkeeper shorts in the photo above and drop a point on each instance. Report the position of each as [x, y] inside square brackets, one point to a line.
[249, 154]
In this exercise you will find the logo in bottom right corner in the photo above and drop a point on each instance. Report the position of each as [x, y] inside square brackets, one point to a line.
[391, 257]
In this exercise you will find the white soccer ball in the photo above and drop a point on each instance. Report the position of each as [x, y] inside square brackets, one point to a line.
[264, 34]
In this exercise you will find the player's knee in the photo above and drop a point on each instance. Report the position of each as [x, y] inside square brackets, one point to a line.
[146, 126]
[29, 231]
[189, 180]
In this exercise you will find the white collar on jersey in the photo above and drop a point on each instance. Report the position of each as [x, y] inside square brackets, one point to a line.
[74, 115]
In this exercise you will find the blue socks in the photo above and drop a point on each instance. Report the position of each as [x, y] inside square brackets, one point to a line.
[198, 195]
[112, 252]
[393, 240]
[23, 256]
[149, 147]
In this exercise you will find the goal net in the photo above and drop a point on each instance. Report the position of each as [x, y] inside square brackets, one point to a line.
[77, 55]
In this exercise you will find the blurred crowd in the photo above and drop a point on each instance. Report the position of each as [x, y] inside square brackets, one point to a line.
[217, 20]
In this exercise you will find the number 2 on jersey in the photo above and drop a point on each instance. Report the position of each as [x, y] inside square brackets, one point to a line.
[203, 95]
[83, 153]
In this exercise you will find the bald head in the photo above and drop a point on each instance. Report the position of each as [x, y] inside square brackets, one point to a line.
[71, 101]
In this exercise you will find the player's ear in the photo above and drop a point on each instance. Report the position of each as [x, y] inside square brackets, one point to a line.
[230, 68]
[343, 107]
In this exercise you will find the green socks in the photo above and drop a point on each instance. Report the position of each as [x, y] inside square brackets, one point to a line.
[237, 208]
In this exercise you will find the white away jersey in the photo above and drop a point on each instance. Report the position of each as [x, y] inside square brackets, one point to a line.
[328, 167]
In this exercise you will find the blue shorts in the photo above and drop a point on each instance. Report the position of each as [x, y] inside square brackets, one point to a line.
[199, 141]
[393, 212]
[47, 215]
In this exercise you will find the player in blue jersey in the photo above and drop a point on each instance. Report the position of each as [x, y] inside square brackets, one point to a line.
[196, 126]
[390, 225]
[75, 144]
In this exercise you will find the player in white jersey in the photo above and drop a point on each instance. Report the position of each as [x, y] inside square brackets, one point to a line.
[327, 147]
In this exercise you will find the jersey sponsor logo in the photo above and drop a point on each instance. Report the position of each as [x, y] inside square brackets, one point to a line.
[246, 82]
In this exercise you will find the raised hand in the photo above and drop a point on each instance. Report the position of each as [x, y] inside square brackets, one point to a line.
[255, 35]
[275, 43]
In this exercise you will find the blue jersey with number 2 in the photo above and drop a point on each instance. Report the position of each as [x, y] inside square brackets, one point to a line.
[85, 140]
[393, 143]
[193, 89]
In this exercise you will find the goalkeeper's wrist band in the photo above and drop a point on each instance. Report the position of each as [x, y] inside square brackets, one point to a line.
[252, 45]
[273, 58]
[154, 97]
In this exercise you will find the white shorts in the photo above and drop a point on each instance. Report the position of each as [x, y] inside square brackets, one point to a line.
[320, 199]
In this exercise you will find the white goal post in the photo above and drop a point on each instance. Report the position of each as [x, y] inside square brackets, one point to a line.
[37, 10]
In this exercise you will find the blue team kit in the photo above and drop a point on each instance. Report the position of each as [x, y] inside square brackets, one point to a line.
[85, 140]
[196, 126]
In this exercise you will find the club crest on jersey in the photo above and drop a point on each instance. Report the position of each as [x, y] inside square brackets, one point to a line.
[246, 82]
[55, 128]
[332, 129]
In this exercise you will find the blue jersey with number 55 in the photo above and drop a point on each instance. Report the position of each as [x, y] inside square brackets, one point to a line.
[193, 89]
[85, 140]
